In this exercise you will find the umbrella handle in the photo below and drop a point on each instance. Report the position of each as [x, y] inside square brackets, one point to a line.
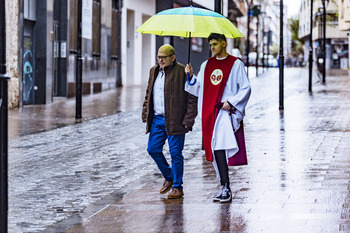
[188, 80]
[189, 59]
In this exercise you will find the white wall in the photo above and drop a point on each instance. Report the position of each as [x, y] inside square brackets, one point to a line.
[148, 53]
[12, 52]
[210, 4]
[130, 48]
[133, 64]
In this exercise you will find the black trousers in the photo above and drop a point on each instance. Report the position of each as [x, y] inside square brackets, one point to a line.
[220, 158]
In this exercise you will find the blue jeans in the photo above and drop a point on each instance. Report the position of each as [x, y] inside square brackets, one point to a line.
[157, 137]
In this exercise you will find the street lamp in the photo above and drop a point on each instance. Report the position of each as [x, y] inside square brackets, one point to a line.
[263, 39]
[257, 47]
[320, 49]
[311, 46]
[281, 60]
[256, 12]
[324, 39]
[249, 4]
[268, 46]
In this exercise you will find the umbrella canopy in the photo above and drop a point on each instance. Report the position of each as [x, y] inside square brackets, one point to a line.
[189, 22]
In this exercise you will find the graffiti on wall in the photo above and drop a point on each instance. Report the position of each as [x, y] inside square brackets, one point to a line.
[28, 76]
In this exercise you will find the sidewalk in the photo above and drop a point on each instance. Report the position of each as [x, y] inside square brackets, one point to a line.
[297, 180]
[38, 118]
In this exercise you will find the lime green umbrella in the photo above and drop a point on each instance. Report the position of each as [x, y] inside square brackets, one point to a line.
[189, 22]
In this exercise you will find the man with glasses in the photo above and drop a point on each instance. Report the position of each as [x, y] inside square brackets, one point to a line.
[169, 112]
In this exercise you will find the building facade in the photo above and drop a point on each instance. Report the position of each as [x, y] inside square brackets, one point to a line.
[336, 40]
[344, 25]
[264, 28]
[12, 51]
[48, 42]
[42, 50]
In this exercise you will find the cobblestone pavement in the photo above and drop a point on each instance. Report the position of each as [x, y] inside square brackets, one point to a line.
[96, 176]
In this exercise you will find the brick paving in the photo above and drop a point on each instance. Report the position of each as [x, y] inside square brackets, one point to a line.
[96, 176]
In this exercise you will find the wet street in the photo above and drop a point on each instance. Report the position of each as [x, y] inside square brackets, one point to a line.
[96, 175]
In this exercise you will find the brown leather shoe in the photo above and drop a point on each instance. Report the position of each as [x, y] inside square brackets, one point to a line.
[175, 193]
[166, 187]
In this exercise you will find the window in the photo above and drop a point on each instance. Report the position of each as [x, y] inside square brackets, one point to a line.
[342, 8]
[115, 4]
[73, 25]
[115, 42]
[96, 28]
[29, 9]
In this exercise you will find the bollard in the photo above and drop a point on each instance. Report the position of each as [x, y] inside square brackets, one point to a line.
[3, 123]
[3, 149]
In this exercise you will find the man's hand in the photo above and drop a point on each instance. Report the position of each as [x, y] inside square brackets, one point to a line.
[226, 106]
[188, 127]
[188, 69]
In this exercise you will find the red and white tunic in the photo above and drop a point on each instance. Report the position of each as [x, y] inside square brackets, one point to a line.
[236, 91]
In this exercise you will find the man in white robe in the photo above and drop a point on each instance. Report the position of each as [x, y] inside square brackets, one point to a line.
[234, 97]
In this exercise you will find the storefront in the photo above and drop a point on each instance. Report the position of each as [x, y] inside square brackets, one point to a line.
[340, 53]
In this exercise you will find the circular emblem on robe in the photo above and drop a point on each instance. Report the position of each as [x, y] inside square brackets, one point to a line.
[216, 77]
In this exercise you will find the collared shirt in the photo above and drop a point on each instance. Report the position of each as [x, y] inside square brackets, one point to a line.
[158, 94]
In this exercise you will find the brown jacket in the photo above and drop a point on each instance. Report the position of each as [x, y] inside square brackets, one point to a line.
[180, 107]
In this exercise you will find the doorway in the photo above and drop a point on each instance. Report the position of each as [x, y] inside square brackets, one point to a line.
[28, 78]
[130, 44]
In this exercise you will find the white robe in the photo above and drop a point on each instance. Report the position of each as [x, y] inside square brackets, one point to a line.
[237, 92]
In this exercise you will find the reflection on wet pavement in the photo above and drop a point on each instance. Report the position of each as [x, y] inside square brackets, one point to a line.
[97, 176]
[37, 118]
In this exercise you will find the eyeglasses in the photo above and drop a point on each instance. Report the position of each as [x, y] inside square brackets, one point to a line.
[163, 57]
